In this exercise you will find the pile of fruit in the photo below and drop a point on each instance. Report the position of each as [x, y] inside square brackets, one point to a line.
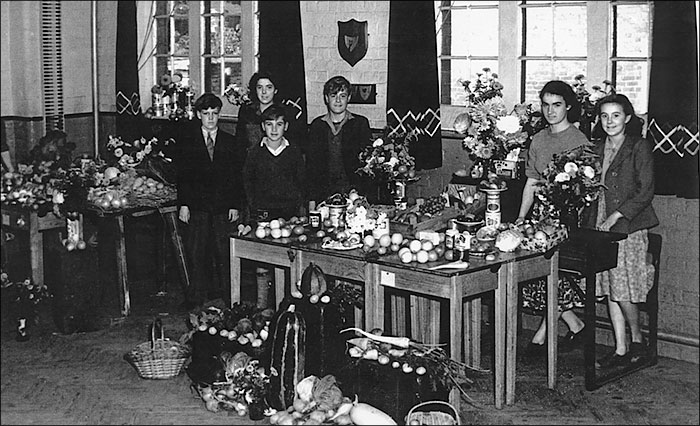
[242, 322]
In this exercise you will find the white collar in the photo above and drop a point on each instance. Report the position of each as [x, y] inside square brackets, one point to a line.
[278, 151]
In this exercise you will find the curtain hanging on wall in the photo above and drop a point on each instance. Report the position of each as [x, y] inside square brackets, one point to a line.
[673, 98]
[412, 87]
[282, 53]
[129, 117]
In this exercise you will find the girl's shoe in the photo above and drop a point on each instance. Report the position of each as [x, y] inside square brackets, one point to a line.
[571, 340]
[613, 359]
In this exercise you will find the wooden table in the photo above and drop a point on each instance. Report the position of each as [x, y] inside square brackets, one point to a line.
[501, 276]
[346, 265]
[169, 213]
[586, 253]
[15, 217]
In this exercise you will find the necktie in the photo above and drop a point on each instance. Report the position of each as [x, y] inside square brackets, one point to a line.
[210, 146]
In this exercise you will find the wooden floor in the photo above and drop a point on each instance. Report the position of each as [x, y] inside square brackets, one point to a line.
[82, 379]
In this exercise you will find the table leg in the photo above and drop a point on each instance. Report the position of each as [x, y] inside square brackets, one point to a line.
[123, 278]
[235, 274]
[279, 286]
[472, 332]
[36, 249]
[374, 316]
[552, 317]
[455, 334]
[171, 221]
[589, 337]
[161, 247]
[499, 313]
[511, 328]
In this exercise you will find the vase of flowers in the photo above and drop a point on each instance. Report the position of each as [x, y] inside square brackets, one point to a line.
[571, 182]
[492, 131]
[386, 161]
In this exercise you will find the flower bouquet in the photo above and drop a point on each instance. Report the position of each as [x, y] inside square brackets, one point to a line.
[388, 158]
[571, 182]
[237, 94]
[589, 100]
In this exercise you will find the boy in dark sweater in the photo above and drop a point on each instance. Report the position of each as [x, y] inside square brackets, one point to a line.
[274, 172]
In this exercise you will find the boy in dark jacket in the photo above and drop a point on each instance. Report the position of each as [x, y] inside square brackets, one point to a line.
[210, 198]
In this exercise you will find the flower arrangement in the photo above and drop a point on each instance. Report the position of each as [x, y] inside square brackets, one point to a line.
[486, 86]
[588, 100]
[132, 154]
[237, 94]
[389, 160]
[27, 295]
[492, 131]
[571, 182]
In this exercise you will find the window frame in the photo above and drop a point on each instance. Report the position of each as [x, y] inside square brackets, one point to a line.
[197, 57]
[600, 63]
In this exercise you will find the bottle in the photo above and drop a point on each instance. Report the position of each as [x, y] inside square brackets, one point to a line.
[462, 245]
[450, 234]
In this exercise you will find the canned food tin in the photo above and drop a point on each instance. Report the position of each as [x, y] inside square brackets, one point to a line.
[315, 219]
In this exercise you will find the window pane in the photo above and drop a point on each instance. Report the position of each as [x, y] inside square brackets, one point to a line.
[212, 75]
[232, 73]
[232, 7]
[537, 73]
[538, 32]
[232, 35]
[182, 36]
[471, 3]
[162, 36]
[211, 27]
[633, 30]
[181, 8]
[632, 81]
[474, 32]
[212, 7]
[570, 30]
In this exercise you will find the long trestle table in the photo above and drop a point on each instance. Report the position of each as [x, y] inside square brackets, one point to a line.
[501, 275]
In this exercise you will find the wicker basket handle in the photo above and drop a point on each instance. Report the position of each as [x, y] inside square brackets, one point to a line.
[157, 324]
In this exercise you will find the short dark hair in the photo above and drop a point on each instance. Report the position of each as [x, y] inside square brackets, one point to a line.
[273, 112]
[563, 89]
[335, 85]
[206, 101]
[257, 76]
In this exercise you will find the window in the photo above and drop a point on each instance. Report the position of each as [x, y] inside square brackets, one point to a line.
[211, 43]
[528, 43]
[467, 40]
[554, 43]
[631, 51]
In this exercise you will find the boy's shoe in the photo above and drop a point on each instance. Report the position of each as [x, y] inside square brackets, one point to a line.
[614, 360]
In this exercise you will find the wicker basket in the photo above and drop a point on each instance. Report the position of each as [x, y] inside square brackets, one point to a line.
[433, 413]
[160, 358]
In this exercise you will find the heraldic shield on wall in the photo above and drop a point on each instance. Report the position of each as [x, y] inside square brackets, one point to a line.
[352, 40]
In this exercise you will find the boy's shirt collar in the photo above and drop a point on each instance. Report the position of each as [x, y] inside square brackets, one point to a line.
[206, 132]
[327, 118]
[278, 151]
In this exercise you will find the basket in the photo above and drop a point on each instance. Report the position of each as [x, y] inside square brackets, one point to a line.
[159, 358]
[557, 238]
[433, 413]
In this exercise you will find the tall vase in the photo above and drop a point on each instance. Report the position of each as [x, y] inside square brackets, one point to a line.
[570, 218]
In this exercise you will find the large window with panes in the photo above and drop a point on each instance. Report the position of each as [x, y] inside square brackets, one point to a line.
[528, 43]
[211, 44]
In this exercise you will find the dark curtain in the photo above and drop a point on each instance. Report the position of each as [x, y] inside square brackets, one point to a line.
[412, 89]
[673, 98]
[281, 52]
[129, 117]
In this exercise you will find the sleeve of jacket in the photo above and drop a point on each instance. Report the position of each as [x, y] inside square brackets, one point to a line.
[249, 178]
[643, 162]
[184, 172]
